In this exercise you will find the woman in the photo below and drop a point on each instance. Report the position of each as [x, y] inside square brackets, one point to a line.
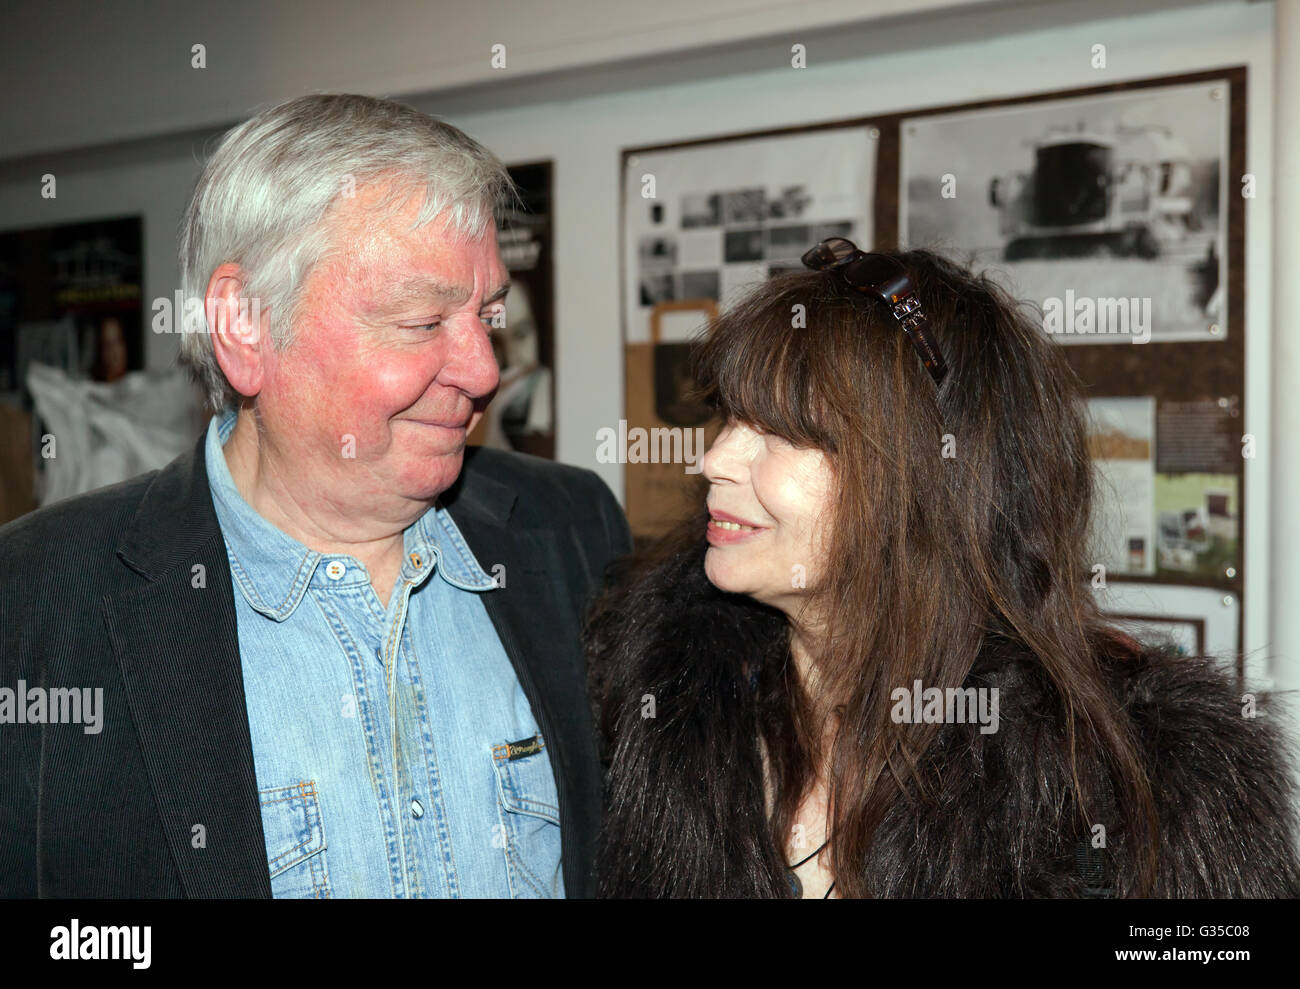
[899, 501]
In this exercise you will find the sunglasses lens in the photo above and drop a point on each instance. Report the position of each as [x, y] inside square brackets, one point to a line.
[839, 248]
[829, 252]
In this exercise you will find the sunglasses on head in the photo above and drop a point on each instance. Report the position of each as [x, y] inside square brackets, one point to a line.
[885, 278]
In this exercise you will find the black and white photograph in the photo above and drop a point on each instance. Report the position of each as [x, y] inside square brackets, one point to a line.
[746, 244]
[1107, 211]
[789, 240]
[658, 252]
[744, 206]
[722, 205]
[656, 260]
[701, 209]
[700, 285]
[790, 203]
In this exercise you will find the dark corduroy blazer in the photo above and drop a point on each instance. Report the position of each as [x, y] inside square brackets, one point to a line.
[99, 591]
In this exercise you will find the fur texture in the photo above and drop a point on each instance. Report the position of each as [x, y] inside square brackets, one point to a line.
[685, 813]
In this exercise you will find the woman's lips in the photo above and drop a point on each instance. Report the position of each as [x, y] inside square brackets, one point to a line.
[725, 528]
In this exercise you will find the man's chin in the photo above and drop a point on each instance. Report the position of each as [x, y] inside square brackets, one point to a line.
[427, 477]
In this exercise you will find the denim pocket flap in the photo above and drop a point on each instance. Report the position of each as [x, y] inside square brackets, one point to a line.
[292, 824]
[525, 782]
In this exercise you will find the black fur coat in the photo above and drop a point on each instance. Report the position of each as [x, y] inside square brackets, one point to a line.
[999, 824]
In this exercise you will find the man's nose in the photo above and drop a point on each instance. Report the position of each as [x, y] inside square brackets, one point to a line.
[472, 367]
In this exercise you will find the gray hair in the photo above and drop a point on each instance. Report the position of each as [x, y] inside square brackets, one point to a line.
[262, 199]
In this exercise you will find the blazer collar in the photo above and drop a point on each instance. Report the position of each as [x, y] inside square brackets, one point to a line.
[175, 517]
[176, 514]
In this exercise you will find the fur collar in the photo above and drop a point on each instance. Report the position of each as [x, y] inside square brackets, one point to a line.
[998, 825]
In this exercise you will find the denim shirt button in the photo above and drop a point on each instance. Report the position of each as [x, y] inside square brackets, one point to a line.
[335, 570]
[417, 809]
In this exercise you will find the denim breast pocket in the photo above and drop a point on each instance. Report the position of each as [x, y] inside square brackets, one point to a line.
[530, 818]
[295, 842]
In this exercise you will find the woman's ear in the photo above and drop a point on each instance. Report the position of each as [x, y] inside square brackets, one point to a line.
[236, 324]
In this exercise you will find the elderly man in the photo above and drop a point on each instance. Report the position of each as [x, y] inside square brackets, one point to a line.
[338, 651]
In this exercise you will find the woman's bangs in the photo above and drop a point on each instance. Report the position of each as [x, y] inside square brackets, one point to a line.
[754, 368]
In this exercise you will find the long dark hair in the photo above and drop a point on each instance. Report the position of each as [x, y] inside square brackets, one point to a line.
[961, 518]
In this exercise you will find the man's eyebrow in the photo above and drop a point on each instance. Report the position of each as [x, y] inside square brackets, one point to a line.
[417, 289]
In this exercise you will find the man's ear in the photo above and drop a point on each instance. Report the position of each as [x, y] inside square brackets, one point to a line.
[236, 324]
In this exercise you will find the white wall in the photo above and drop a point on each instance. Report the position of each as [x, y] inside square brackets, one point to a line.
[91, 73]
[906, 64]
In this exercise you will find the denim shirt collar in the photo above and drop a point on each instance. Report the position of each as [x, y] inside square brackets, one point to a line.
[273, 570]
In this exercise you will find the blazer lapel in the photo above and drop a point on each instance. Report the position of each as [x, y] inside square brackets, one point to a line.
[177, 647]
[538, 629]
[481, 507]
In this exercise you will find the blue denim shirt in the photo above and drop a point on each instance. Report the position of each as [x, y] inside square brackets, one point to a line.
[340, 689]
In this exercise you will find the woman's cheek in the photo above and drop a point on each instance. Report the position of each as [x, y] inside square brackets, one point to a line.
[787, 499]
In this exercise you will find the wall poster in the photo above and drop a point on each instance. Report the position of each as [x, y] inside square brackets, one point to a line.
[521, 415]
[1108, 211]
[702, 223]
[72, 299]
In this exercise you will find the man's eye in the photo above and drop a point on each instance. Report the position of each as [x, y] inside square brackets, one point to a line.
[493, 318]
[425, 326]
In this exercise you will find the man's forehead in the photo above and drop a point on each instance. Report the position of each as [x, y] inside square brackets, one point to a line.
[431, 263]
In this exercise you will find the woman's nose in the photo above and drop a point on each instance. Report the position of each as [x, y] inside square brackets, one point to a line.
[726, 459]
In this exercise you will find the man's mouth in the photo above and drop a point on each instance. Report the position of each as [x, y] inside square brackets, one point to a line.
[439, 425]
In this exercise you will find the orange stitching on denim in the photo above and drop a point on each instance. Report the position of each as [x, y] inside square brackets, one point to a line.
[302, 791]
[282, 800]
